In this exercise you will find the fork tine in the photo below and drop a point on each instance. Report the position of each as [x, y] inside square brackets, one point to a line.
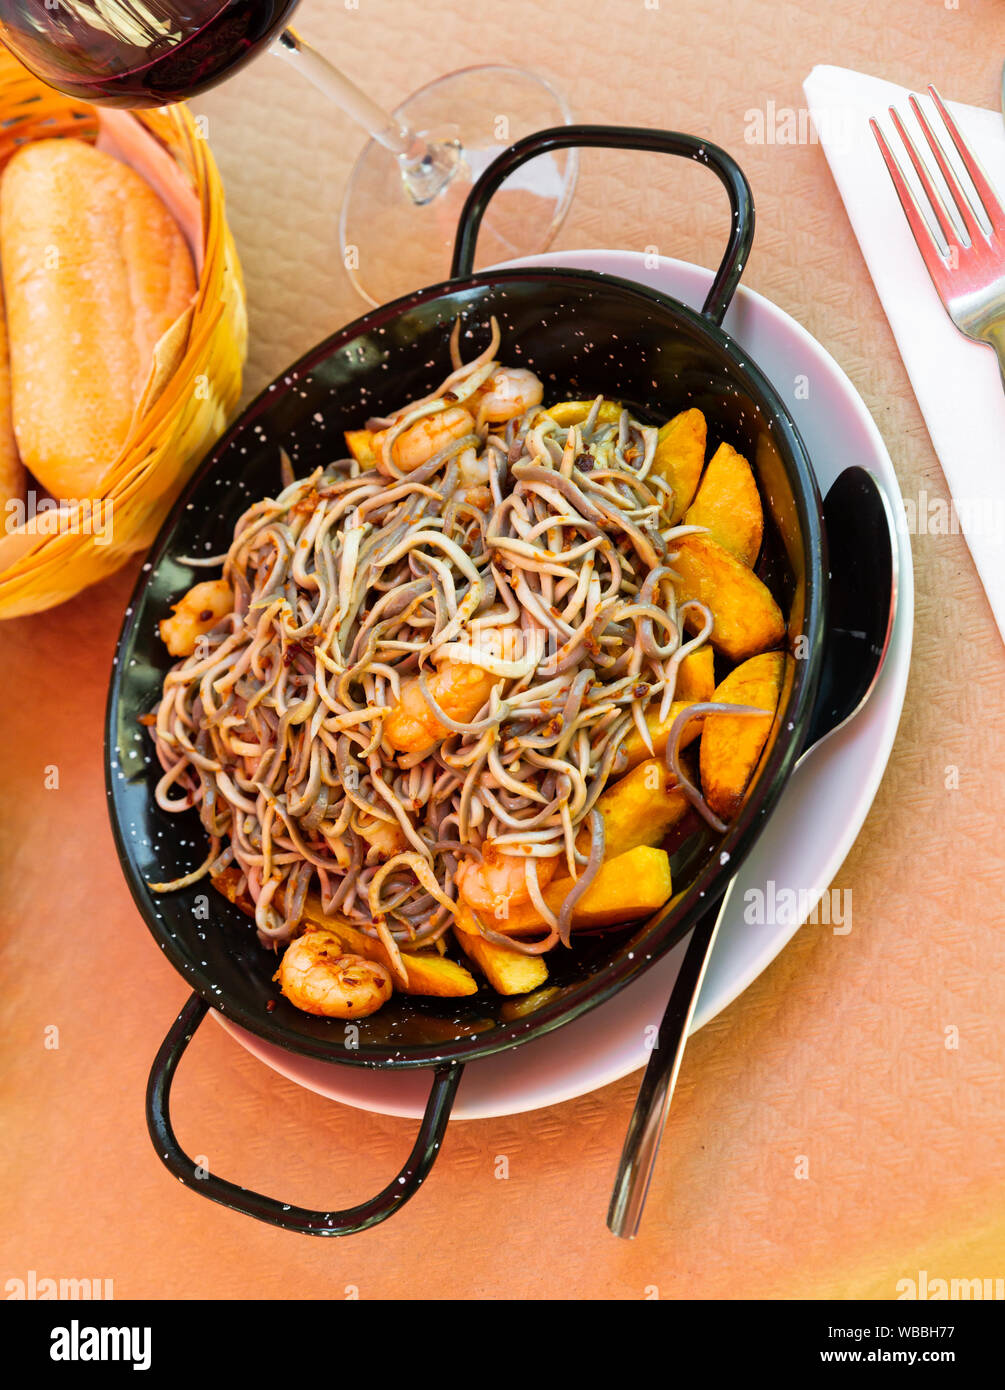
[973, 166]
[931, 192]
[930, 252]
[956, 191]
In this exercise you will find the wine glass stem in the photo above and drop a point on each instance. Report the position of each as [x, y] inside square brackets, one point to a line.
[383, 128]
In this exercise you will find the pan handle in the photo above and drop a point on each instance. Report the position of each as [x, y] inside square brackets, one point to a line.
[312, 1223]
[565, 137]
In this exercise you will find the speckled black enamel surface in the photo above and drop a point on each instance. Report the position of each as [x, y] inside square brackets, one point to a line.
[582, 333]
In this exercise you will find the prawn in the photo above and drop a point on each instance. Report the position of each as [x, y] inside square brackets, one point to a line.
[317, 976]
[384, 839]
[417, 445]
[472, 470]
[460, 688]
[509, 392]
[195, 614]
[498, 884]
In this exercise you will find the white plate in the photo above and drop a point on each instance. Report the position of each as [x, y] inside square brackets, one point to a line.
[808, 834]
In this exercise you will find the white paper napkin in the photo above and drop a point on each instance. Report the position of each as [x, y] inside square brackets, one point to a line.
[957, 382]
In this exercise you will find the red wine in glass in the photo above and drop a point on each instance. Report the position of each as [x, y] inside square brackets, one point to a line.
[138, 52]
[409, 183]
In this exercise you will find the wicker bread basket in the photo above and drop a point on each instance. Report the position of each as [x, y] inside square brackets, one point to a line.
[46, 560]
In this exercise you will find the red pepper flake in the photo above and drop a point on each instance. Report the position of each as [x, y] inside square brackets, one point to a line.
[307, 504]
[270, 1005]
[205, 615]
[147, 720]
[640, 691]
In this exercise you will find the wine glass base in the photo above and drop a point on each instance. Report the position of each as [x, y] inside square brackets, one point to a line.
[393, 244]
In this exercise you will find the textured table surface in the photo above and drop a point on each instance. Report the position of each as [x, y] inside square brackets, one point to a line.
[827, 1137]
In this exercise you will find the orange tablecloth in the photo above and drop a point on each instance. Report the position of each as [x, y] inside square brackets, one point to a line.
[834, 1063]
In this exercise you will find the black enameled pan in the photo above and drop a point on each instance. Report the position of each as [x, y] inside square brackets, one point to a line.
[582, 333]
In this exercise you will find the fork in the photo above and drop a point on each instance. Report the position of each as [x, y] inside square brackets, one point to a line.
[969, 276]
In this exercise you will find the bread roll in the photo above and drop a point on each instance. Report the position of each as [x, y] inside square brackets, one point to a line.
[95, 270]
[11, 467]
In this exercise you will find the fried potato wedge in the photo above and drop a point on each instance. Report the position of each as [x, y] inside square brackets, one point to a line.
[696, 675]
[428, 972]
[746, 619]
[568, 413]
[631, 885]
[639, 809]
[659, 729]
[528, 1004]
[680, 457]
[360, 445]
[728, 504]
[507, 970]
[731, 745]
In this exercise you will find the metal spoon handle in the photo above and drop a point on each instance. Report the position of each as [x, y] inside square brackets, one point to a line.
[645, 1129]
[863, 541]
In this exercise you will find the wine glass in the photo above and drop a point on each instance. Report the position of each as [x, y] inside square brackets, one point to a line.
[409, 183]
